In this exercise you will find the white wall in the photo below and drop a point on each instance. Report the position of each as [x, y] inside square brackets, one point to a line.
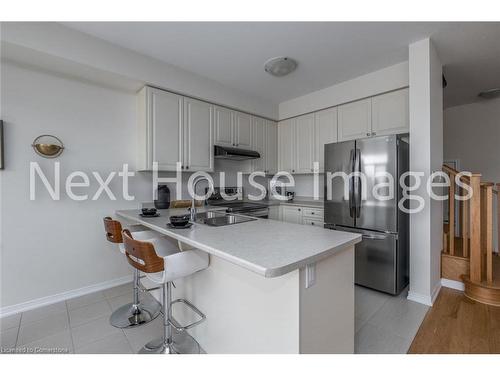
[50, 247]
[72, 46]
[426, 155]
[374, 83]
[471, 135]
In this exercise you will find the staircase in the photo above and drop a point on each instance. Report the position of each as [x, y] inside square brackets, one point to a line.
[468, 256]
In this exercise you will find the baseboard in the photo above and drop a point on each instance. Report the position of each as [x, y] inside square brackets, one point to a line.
[453, 284]
[425, 299]
[39, 302]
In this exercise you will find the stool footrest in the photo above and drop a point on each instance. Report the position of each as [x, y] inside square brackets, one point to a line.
[194, 309]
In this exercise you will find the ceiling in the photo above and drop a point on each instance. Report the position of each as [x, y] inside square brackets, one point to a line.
[327, 52]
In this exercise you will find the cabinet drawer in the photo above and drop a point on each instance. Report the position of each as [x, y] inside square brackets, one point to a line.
[316, 223]
[313, 213]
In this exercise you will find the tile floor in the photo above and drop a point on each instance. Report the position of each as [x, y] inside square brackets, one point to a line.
[385, 324]
[79, 325]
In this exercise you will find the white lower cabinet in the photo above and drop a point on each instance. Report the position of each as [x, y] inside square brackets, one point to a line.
[302, 215]
[291, 214]
[274, 213]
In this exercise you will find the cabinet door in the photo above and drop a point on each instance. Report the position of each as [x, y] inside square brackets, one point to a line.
[286, 138]
[325, 131]
[259, 143]
[390, 113]
[354, 120]
[292, 214]
[164, 118]
[304, 144]
[274, 213]
[243, 130]
[271, 147]
[198, 135]
[223, 127]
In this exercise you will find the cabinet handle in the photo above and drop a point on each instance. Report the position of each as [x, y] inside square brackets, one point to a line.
[182, 167]
[374, 133]
[187, 167]
[312, 223]
[299, 209]
[312, 213]
[293, 170]
[368, 134]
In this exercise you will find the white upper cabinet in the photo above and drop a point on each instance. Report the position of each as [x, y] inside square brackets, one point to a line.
[223, 127]
[259, 143]
[233, 129]
[198, 135]
[325, 131]
[390, 113]
[355, 120]
[160, 129]
[286, 142]
[174, 129]
[304, 137]
[271, 147]
[242, 130]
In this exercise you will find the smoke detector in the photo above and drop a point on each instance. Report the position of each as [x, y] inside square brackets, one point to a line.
[280, 66]
[490, 94]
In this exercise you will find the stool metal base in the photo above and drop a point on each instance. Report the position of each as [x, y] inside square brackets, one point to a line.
[182, 343]
[130, 315]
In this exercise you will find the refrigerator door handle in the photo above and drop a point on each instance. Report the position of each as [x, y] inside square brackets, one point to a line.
[352, 207]
[372, 237]
[357, 184]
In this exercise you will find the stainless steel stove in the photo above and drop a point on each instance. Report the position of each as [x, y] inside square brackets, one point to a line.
[253, 209]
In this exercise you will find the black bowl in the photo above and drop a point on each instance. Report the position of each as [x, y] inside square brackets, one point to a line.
[179, 221]
[149, 211]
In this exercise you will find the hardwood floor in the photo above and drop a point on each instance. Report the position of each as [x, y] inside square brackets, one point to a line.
[456, 324]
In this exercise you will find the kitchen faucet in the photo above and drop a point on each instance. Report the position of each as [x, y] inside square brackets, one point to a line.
[193, 207]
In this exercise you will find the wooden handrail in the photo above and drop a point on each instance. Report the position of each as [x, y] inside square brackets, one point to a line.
[454, 172]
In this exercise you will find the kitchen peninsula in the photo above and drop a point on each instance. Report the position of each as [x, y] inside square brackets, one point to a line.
[272, 287]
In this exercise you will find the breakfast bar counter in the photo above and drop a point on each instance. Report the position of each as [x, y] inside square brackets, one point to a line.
[271, 287]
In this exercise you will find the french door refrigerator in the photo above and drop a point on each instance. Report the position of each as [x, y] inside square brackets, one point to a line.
[381, 258]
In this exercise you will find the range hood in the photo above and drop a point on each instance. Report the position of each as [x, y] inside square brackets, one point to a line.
[232, 153]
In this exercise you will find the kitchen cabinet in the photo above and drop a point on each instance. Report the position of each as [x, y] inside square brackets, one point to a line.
[232, 128]
[223, 127]
[390, 113]
[296, 144]
[271, 147]
[291, 214]
[198, 135]
[286, 149]
[274, 213]
[355, 120]
[242, 130]
[259, 144]
[304, 144]
[302, 215]
[160, 129]
[174, 129]
[325, 131]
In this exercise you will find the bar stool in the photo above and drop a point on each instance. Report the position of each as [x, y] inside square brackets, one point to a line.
[163, 267]
[138, 312]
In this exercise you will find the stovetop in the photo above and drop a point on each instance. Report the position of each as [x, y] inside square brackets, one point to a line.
[216, 199]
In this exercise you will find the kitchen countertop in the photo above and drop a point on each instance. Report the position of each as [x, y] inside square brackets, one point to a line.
[267, 247]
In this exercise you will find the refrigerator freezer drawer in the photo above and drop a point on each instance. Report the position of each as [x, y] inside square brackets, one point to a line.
[376, 260]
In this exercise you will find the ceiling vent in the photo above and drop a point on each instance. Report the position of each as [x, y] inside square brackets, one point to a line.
[280, 66]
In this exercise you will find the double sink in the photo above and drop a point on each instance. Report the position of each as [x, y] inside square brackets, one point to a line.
[220, 218]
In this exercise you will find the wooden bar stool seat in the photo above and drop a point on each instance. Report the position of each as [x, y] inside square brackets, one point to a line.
[163, 267]
[139, 311]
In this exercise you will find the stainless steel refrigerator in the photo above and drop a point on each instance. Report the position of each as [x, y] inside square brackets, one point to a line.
[382, 258]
